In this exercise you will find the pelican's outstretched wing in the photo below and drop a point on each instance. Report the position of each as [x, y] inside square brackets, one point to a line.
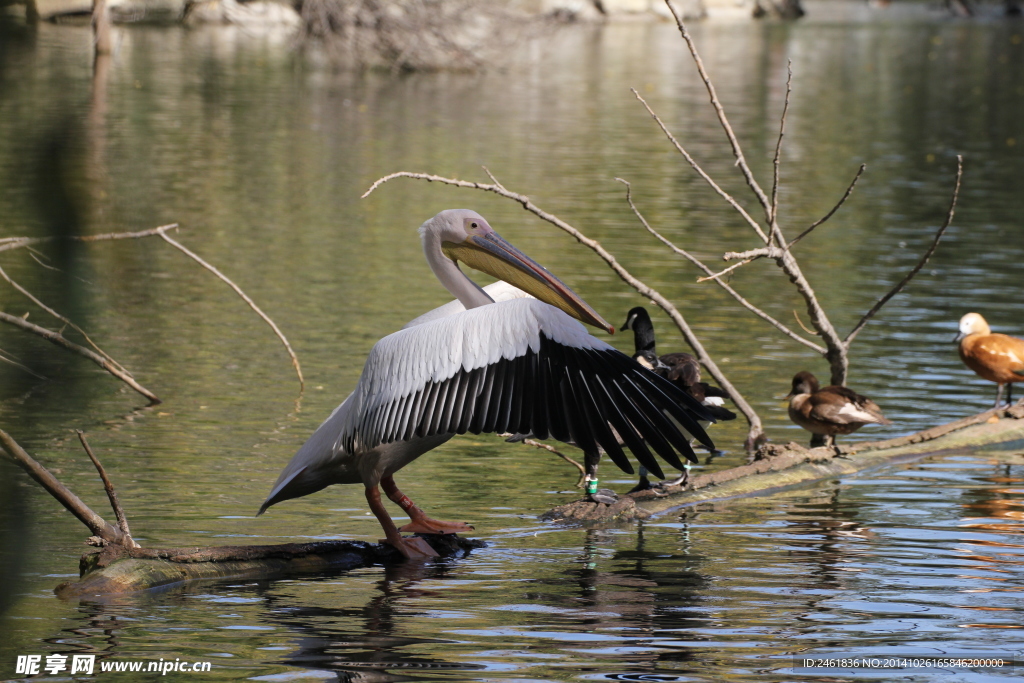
[517, 366]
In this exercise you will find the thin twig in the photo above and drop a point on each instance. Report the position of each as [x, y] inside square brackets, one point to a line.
[732, 292]
[34, 253]
[161, 231]
[60, 340]
[19, 242]
[736, 149]
[773, 218]
[751, 254]
[726, 271]
[96, 524]
[801, 323]
[700, 171]
[491, 176]
[115, 504]
[563, 456]
[5, 358]
[924, 259]
[238, 290]
[842, 200]
[64, 320]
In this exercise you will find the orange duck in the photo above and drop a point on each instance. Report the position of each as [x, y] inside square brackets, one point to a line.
[996, 357]
[830, 410]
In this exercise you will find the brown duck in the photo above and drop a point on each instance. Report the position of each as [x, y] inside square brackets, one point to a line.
[830, 410]
[997, 357]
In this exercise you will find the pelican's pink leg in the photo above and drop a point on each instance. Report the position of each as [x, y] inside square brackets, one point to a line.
[412, 548]
[420, 522]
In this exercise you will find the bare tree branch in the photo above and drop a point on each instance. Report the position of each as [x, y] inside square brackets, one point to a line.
[773, 218]
[64, 320]
[563, 456]
[842, 200]
[60, 340]
[5, 357]
[924, 259]
[9, 243]
[732, 292]
[96, 524]
[736, 149]
[728, 270]
[115, 504]
[801, 323]
[762, 252]
[238, 290]
[755, 431]
[700, 171]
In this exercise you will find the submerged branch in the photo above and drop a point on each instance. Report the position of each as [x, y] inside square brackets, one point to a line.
[108, 486]
[563, 456]
[252, 304]
[96, 524]
[61, 341]
[9, 243]
[61, 318]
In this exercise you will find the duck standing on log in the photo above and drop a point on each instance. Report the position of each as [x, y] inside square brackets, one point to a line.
[831, 410]
[520, 364]
[996, 357]
[682, 369]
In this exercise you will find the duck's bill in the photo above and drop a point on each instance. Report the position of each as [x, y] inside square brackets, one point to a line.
[493, 255]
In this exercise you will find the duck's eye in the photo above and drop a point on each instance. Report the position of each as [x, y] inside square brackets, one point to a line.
[473, 225]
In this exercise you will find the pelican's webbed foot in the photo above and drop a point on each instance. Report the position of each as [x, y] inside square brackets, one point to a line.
[413, 548]
[419, 523]
[425, 525]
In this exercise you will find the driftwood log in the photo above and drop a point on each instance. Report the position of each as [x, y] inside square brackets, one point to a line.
[776, 467]
[120, 567]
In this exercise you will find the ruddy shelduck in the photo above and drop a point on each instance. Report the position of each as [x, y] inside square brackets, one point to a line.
[831, 410]
[996, 357]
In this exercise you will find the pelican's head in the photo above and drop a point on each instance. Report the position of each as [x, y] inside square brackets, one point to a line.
[465, 236]
[972, 323]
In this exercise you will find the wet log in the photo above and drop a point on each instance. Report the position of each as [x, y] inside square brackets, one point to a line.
[117, 569]
[776, 467]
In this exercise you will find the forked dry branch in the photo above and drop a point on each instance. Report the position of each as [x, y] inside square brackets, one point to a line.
[96, 354]
[833, 347]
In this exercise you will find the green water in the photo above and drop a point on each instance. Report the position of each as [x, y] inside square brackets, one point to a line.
[262, 158]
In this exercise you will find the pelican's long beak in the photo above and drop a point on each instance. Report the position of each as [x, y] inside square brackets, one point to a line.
[493, 255]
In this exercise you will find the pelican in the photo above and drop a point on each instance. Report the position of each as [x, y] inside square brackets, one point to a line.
[521, 364]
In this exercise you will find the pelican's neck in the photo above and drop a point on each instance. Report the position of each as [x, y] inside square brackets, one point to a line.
[469, 293]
